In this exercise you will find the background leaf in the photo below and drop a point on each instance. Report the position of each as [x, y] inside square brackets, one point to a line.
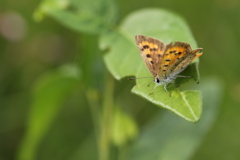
[49, 94]
[168, 137]
[123, 58]
[88, 16]
[123, 127]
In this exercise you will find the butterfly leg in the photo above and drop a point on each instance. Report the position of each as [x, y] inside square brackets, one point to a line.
[165, 87]
[185, 76]
[153, 88]
[175, 85]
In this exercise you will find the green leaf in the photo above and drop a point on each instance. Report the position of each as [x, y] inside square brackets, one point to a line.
[168, 137]
[123, 59]
[123, 127]
[89, 16]
[49, 93]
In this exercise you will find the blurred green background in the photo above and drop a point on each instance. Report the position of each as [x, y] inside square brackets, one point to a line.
[41, 59]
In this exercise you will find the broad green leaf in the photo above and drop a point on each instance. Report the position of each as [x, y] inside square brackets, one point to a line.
[49, 94]
[167, 137]
[123, 59]
[88, 16]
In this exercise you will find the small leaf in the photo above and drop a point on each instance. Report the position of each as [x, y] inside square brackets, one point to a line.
[88, 16]
[123, 127]
[49, 93]
[167, 137]
[123, 59]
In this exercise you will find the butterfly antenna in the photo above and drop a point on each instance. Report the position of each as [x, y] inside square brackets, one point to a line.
[139, 78]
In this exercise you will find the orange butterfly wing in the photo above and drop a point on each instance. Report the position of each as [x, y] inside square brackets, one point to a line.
[151, 51]
[176, 58]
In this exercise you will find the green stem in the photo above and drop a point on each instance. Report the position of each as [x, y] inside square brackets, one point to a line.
[93, 100]
[122, 152]
[106, 121]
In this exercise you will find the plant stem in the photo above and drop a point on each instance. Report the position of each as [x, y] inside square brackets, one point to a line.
[93, 100]
[106, 120]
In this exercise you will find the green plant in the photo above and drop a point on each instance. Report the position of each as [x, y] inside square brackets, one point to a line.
[122, 59]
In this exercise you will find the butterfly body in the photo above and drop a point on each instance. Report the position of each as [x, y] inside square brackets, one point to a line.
[165, 62]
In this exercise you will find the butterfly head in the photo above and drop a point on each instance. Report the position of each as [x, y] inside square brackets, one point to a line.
[161, 81]
[157, 80]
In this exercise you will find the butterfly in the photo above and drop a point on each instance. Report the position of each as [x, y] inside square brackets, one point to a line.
[165, 62]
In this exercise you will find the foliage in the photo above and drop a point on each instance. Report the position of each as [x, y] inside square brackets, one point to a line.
[163, 25]
[113, 123]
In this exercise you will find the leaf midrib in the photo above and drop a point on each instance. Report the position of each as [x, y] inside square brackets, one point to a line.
[188, 105]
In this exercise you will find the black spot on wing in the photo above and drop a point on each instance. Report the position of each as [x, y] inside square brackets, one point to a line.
[146, 46]
[153, 49]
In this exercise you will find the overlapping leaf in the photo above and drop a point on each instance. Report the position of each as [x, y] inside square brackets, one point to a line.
[89, 16]
[50, 92]
[168, 137]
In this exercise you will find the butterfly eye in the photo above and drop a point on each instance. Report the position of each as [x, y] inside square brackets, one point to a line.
[157, 80]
